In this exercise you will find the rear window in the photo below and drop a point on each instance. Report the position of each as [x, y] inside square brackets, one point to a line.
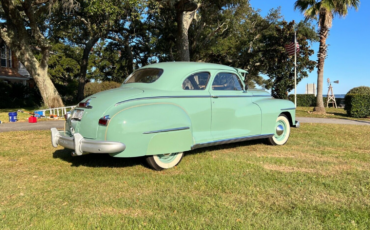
[148, 75]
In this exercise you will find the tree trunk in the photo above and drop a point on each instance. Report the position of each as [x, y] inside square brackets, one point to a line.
[84, 65]
[39, 72]
[324, 31]
[18, 40]
[128, 51]
[184, 19]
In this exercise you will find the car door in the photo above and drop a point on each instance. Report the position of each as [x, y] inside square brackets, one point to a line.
[233, 112]
[196, 101]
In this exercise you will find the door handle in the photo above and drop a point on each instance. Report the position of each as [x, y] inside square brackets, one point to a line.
[214, 96]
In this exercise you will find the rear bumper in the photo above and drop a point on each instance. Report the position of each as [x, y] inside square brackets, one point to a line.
[81, 145]
[297, 124]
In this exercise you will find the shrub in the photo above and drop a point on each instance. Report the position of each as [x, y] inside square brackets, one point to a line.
[68, 92]
[357, 102]
[309, 100]
[96, 87]
[363, 90]
[17, 95]
[305, 100]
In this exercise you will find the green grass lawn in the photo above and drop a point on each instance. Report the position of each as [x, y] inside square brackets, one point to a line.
[319, 180]
[4, 114]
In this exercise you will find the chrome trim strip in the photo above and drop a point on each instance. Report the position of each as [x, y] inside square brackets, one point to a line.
[232, 140]
[167, 130]
[199, 96]
[288, 108]
[160, 97]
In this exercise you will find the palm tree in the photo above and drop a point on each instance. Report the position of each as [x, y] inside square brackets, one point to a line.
[324, 11]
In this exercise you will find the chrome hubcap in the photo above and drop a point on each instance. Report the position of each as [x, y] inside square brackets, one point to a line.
[279, 130]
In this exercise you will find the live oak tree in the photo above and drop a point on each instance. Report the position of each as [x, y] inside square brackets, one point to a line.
[63, 67]
[324, 11]
[226, 36]
[84, 27]
[110, 62]
[276, 62]
[186, 11]
[24, 26]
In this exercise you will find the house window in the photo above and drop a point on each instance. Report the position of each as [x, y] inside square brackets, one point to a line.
[9, 58]
[3, 56]
[6, 56]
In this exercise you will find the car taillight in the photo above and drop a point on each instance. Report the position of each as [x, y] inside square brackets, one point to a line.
[104, 120]
[85, 104]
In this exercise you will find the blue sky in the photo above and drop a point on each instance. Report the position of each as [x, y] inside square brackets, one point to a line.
[349, 46]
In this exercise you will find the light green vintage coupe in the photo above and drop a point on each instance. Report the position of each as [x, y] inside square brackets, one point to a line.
[165, 109]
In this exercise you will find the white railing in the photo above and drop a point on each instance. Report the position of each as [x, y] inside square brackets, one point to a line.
[56, 111]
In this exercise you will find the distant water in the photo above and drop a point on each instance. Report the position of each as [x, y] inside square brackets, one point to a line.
[336, 95]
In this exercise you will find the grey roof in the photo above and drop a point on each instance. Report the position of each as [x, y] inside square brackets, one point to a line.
[22, 70]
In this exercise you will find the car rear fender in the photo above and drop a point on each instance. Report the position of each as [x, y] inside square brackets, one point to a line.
[151, 129]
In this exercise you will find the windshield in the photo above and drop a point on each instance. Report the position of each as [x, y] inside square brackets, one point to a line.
[148, 75]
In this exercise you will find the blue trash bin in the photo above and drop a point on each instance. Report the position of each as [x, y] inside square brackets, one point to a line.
[39, 114]
[12, 116]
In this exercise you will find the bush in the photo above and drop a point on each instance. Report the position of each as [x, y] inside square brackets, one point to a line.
[96, 87]
[357, 102]
[305, 100]
[309, 100]
[17, 95]
[363, 90]
[68, 92]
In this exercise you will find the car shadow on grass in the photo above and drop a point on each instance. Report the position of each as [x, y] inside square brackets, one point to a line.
[98, 160]
[105, 160]
[226, 146]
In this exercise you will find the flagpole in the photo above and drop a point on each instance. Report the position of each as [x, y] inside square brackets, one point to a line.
[295, 67]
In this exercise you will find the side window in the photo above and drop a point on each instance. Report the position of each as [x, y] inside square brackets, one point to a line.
[197, 81]
[226, 81]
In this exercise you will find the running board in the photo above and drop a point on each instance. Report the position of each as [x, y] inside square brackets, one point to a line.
[228, 141]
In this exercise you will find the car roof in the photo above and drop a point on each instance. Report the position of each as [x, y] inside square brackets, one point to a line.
[189, 66]
[174, 73]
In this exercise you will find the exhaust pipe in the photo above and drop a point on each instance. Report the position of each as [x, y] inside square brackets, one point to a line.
[73, 154]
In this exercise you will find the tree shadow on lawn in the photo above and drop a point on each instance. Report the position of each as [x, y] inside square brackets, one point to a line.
[105, 160]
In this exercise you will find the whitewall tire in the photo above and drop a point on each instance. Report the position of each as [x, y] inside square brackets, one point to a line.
[282, 131]
[164, 161]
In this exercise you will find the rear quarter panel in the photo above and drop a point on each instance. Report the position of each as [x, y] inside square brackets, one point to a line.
[130, 125]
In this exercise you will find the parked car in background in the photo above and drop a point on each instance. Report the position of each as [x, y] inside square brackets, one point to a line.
[163, 110]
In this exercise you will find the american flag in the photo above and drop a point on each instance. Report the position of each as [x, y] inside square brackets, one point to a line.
[289, 48]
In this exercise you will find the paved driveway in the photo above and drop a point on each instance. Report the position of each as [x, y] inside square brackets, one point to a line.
[23, 126]
[331, 121]
[45, 125]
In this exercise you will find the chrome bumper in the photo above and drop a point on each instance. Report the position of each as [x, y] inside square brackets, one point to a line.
[81, 145]
[296, 124]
